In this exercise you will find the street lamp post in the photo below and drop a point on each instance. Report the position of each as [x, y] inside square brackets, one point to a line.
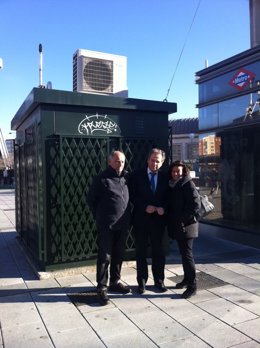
[191, 136]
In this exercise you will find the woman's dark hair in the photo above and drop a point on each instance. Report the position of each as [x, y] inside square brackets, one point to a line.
[185, 171]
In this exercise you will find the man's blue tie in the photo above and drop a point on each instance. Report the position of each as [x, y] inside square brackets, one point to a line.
[152, 181]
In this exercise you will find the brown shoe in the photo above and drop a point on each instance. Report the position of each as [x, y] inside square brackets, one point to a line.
[120, 288]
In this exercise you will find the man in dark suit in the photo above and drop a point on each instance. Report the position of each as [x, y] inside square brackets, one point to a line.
[148, 193]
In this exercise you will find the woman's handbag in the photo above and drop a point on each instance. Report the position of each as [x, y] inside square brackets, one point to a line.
[206, 206]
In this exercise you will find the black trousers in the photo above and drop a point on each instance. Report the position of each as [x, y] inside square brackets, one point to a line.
[152, 230]
[111, 251]
[185, 248]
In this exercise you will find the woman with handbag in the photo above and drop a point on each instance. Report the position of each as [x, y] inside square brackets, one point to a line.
[184, 206]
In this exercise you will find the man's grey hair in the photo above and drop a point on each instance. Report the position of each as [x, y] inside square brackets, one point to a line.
[112, 154]
[157, 151]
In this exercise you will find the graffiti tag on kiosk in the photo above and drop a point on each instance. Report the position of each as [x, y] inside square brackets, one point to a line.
[98, 123]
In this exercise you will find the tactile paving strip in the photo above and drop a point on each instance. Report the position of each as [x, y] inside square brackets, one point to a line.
[204, 281]
[83, 298]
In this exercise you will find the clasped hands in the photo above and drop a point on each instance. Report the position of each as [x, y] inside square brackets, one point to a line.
[150, 209]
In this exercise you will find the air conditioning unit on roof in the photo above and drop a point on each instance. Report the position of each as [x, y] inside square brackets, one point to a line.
[99, 73]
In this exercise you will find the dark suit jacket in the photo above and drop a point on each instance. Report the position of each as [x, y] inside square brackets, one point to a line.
[141, 195]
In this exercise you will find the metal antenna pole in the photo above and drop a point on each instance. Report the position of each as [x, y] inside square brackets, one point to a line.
[40, 66]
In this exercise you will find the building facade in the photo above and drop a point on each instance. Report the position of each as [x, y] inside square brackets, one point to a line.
[10, 150]
[229, 127]
[185, 140]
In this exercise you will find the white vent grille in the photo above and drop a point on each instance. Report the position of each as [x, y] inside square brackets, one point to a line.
[99, 73]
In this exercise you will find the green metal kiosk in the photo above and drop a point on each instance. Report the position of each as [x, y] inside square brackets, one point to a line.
[63, 141]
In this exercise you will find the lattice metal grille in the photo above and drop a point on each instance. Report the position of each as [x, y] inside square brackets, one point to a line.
[27, 203]
[41, 190]
[53, 201]
[136, 151]
[82, 160]
[31, 188]
[17, 189]
[23, 192]
[73, 162]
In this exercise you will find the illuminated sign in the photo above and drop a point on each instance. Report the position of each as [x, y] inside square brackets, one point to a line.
[241, 79]
[98, 125]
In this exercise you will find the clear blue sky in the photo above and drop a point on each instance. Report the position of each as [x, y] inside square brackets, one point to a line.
[150, 33]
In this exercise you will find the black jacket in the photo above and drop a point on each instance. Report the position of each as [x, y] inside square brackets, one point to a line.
[141, 194]
[108, 200]
[184, 205]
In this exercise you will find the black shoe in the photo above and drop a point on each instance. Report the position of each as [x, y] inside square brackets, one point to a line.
[120, 288]
[181, 285]
[189, 292]
[160, 286]
[141, 287]
[102, 297]
[141, 290]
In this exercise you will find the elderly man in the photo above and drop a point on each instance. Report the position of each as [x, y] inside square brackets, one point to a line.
[108, 199]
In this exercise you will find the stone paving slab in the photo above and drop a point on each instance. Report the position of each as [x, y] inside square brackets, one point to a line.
[81, 337]
[27, 336]
[160, 326]
[251, 263]
[203, 296]
[250, 328]
[110, 322]
[236, 279]
[17, 310]
[165, 331]
[135, 339]
[249, 344]
[243, 269]
[177, 307]
[73, 280]
[6, 223]
[190, 342]
[42, 284]
[13, 289]
[228, 312]
[214, 331]
[240, 297]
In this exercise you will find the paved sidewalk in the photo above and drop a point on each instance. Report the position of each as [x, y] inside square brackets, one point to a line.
[62, 311]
